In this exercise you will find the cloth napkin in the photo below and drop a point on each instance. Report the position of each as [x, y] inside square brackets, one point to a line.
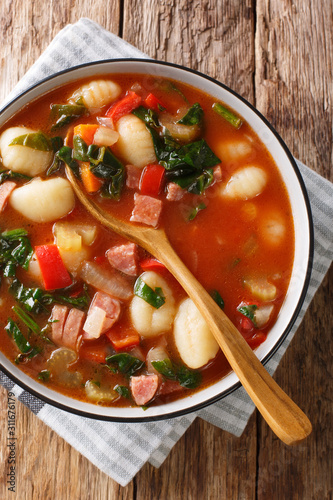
[118, 449]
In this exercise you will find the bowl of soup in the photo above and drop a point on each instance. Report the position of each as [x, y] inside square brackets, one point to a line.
[94, 324]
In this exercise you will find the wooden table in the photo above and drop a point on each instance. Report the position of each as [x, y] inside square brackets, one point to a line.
[278, 55]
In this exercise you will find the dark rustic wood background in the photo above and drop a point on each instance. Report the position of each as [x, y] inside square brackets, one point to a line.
[278, 55]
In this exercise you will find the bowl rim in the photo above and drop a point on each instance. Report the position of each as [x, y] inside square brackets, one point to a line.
[268, 356]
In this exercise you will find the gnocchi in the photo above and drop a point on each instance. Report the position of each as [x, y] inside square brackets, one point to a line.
[245, 183]
[97, 93]
[44, 201]
[135, 144]
[273, 228]
[194, 341]
[147, 320]
[233, 150]
[23, 159]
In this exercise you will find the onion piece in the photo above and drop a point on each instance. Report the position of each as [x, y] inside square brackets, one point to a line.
[94, 322]
[99, 394]
[262, 315]
[105, 136]
[157, 353]
[107, 122]
[108, 281]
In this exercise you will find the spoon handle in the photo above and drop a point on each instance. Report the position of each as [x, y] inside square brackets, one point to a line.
[284, 417]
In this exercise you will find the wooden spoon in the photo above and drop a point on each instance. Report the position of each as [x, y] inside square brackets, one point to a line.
[284, 417]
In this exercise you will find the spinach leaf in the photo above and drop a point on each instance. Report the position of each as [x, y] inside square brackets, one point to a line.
[34, 140]
[217, 297]
[27, 320]
[165, 368]
[33, 299]
[44, 375]
[9, 174]
[105, 165]
[125, 363]
[196, 210]
[123, 391]
[64, 155]
[193, 116]
[186, 377]
[63, 114]
[146, 115]
[80, 149]
[153, 297]
[22, 343]
[15, 249]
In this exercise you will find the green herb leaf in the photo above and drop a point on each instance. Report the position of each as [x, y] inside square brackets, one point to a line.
[228, 115]
[15, 249]
[154, 298]
[193, 116]
[218, 299]
[125, 363]
[196, 210]
[248, 311]
[35, 140]
[63, 114]
[123, 391]
[44, 375]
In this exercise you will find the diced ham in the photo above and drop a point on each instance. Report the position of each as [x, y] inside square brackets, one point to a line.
[146, 210]
[174, 192]
[217, 173]
[58, 318]
[124, 258]
[72, 333]
[6, 190]
[144, 388]
[111, 307]
[133, 175]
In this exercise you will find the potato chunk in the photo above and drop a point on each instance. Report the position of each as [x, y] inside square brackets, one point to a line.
[44, 201]
[23, 159]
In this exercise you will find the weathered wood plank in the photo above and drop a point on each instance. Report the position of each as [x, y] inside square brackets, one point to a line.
[214, 37]
[294, 59]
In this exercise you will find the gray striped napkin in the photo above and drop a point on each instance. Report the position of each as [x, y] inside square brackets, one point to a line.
[120, 450]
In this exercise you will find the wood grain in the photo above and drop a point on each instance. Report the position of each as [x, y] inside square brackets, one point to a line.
[277, 54]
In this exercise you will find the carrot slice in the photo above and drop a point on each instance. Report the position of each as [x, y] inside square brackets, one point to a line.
[97, 352]
[86, 131]
[122, 340]
[90, 181]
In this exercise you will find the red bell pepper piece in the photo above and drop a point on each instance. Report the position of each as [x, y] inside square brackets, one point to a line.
[151, 179]
[124, 106]
[153, 103]
[123, 339]
[151, 264]
[54, 272]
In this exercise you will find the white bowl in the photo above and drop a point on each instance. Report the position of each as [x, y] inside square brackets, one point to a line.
[302, 222]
